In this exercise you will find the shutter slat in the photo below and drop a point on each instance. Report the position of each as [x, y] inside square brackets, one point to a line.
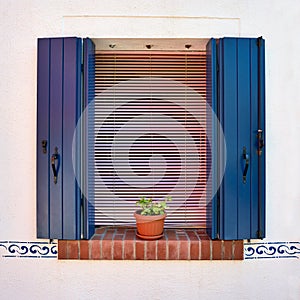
[244, 136]
[230, 127]
[56, 102]
[87, 184]
[43, 159]
[71, 109]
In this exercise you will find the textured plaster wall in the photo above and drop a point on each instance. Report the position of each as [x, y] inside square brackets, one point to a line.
[22, 22]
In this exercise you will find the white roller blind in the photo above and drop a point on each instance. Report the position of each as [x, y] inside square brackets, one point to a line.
[149, 135]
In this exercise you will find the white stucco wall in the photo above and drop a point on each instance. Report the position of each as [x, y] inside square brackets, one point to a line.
[22, 22]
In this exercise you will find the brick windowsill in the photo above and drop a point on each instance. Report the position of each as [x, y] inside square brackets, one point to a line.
[115, 243]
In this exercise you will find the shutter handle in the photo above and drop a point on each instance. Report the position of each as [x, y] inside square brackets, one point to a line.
[54, 158]
[246, 159]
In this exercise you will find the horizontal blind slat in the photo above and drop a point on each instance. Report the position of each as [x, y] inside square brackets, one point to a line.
[115, 197]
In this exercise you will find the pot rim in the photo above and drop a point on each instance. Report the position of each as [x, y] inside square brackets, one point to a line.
[138, 214]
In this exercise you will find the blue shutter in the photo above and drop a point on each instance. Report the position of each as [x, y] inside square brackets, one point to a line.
[88, 129]
[238, 209]
[58, 107]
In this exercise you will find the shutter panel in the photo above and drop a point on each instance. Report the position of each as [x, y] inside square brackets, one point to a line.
[88, 142]
[238, 209]
[58, 100]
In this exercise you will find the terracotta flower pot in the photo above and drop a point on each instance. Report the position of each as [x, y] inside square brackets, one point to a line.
[149, 227]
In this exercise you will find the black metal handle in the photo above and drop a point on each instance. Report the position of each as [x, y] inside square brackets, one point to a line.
[246, 159]
[54, 158]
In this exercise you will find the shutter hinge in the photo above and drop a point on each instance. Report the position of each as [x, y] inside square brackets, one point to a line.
[260, 141]
[258, 41]
[44, 146]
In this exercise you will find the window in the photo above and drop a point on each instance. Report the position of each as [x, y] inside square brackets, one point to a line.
[149, 132]
[230, 77]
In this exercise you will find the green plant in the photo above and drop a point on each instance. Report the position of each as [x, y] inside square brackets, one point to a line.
[152, 208]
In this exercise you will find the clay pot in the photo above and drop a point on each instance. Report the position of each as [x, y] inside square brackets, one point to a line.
[149, 227]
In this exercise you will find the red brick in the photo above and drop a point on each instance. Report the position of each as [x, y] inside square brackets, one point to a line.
[119, 237]
[139, 249]
[121, 230]
[100, 230]
[173, 249]
[97, 237]
[227, 250]
[171, 235]
[95, 249]
[129, 249]
[202, 234]
[192, 235]
[62, 249]
[84, 250]
[162, 249]
[129, 244]
[238, 250]
[73, 249]
[106, 249]
[195, 249]
[180, 233]
[182, 237]
[118, 249]
[201, 231]
[151, 250]
[109, 234]
[172, 244]
[130, 234]
[205, 250]
[184, 250]
[217, 250]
